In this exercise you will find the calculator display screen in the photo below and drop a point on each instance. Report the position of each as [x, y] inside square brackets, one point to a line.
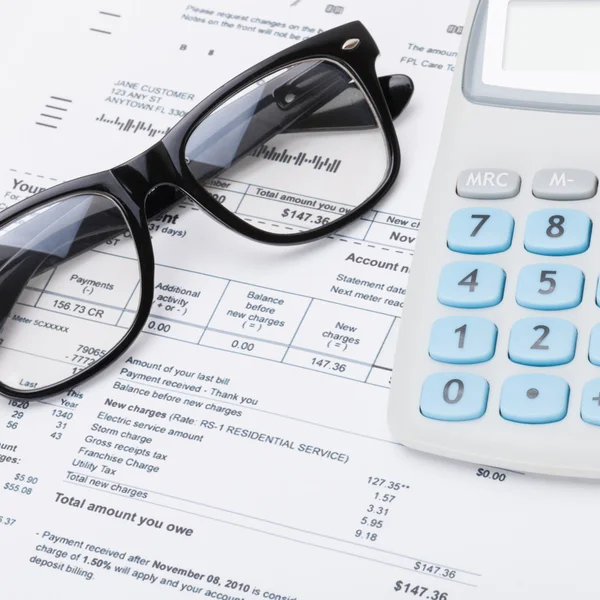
[552, 35]
[535, 54]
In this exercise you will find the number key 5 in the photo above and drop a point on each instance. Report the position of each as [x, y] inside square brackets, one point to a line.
[550, 287]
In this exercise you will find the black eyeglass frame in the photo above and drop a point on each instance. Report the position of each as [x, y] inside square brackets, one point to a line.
[163, 164]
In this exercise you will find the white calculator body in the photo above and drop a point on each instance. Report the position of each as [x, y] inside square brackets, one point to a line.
[498, 358]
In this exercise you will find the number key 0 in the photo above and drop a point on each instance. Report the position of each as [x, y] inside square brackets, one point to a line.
[454, 396]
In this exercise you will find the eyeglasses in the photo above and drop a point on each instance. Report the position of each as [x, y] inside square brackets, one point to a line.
[295, 148]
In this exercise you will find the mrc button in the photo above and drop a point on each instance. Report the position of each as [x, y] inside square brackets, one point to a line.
[564, 184]
[488, 184]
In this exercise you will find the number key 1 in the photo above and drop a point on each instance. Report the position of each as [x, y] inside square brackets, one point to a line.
[462, 340]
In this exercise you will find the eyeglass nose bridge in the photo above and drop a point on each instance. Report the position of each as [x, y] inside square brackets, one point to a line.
[163, 200]
[144, 173]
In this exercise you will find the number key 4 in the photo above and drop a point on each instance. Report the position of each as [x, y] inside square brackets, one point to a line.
[471, 285]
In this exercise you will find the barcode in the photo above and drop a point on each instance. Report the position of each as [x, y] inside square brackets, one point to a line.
[299, 159]
[133, 125]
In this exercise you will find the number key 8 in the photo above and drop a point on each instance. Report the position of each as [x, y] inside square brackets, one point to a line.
[557, 232]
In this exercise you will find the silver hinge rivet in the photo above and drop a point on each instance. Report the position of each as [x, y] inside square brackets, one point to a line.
[351, 44]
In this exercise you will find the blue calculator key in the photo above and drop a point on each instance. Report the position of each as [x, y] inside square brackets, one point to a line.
[542, 342]
[590, 402]
[471, 285]
[462, 340]
[550, 287]
[554, 232]
[534, 399]
[594, 350]
[454, 396]
[480, 231]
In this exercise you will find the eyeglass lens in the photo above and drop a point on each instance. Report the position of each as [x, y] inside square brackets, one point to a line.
[40, 352]
[294, 151]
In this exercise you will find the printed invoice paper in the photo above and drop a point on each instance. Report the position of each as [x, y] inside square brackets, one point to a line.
[217, 460]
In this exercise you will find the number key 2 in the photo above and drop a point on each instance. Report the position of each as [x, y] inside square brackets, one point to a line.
[557, 232]
[542, 342]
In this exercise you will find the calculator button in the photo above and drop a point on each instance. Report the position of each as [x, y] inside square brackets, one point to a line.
[550, 287]
[454, 396]
[590, 402]
[471, 285]
[480, 231]
[594, 350]
[557, 232]
[534, 399]
[598, 293]
[564, 184]
[488, 184]
[462, 340]
[542, 342]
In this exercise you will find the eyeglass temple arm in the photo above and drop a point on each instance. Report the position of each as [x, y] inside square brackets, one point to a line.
[340, 112]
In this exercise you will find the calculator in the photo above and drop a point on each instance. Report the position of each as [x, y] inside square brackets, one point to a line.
[498, 355]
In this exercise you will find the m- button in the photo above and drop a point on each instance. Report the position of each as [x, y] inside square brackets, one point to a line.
[488, 184]
[564, 184]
